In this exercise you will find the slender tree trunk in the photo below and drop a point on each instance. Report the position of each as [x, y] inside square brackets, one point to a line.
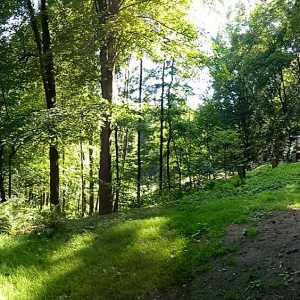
[116, 203]
[78, 203]
[284, 98]
[139, 162]
[162, 116]
[63, 183]
[125, 150]
[30, 195]
[42, 203]
[97, 203]
[168, 156]
[125, 138]
[169, 118]
[54, 175]
[178, 163]
[2, 190]
[83, 196]
[286, 108]
[46, 199]
[91, 161]
[123, 161]
[298, 67]
[10, 158]
[43, 45]
[187, 159]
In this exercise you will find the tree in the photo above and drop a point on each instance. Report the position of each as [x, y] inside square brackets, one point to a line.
[115, 36]
[43, 46]
[139, 162]
[169, 121]
[162, 120]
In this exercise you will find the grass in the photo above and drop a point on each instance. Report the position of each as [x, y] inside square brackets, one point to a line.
[133, 255]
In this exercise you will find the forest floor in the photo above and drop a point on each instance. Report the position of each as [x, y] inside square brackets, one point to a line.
[266, 265]
[228, 241]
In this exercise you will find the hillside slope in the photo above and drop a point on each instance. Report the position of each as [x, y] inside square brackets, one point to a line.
[145, 252]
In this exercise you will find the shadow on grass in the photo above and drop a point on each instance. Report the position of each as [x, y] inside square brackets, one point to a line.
[147, 250]
[120, 260]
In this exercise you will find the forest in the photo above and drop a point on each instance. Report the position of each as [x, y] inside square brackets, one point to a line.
[147, 154]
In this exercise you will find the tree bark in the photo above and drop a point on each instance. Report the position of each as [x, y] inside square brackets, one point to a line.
[161, 146]
[178, 162]
[284, 98]
[54, 175]
[42, 201]
[106, 10]
[139, 162]
[43, 45]
[64, 181]
[116, 203]
[2, 189]
[105, 172]
[169, 118]
[125, 150]
[83, 196]
[91, 162]
[10, 159]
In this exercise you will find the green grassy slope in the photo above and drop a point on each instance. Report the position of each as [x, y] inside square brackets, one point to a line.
[132, 255]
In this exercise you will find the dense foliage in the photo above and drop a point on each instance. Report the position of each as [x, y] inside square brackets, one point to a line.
[94, 119]
[96, 94]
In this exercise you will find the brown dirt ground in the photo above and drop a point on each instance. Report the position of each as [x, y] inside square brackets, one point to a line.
[266, 266]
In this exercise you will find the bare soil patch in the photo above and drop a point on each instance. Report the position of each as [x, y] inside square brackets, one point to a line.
[266, 266]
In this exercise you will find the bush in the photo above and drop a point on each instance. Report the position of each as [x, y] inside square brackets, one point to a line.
[17, 218]
[4, 224]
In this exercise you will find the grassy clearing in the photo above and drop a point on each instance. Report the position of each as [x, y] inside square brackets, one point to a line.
[131, 256]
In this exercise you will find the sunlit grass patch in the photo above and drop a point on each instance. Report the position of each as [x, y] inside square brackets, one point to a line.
[135, 254]
[121, 262]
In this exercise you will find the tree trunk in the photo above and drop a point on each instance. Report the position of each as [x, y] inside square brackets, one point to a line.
[2, 190]
[169, 118]
[54, 176]
[116, 203]
[106, 10]
[139, 162]
[91, 161]
[64, 181]
[162, 112]
[105, 172]
[30, 195]
[123, 161]
[189, 169]
[43, 45]
[10, 158]
[46, 199]
[178, 163]
[42, 201]
[108, 54]
[97, 203]
[284, 98]
[125, 150]
[83, 196]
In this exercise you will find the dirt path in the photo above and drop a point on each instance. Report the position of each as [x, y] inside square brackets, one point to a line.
[266, 266]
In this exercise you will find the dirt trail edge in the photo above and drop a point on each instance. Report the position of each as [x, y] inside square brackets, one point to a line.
[266, 266]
